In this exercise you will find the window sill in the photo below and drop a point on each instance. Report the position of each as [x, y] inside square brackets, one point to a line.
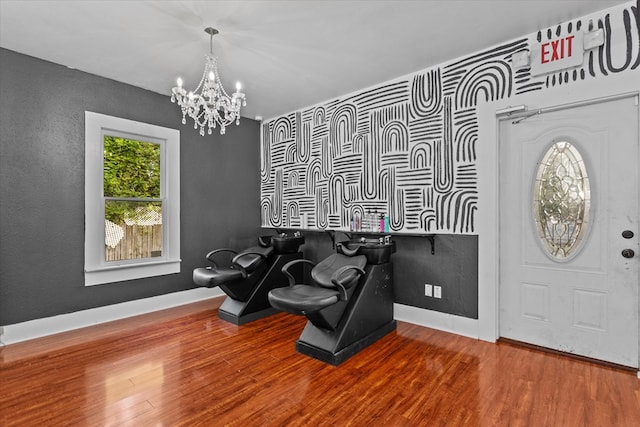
[122, 272]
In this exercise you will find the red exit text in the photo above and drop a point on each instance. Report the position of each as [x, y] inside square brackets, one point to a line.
[558, 54]
[556, 49]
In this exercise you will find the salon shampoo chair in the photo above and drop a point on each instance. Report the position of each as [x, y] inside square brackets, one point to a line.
[348, 304]
[249, 276]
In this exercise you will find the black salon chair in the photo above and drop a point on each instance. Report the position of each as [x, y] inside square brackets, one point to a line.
[348, 303]
[333, 282]
[238, 277]
[248, 276]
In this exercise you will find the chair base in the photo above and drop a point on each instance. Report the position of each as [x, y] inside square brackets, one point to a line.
[368, 317]
[235, 312]
[257, 304]
[340, 356]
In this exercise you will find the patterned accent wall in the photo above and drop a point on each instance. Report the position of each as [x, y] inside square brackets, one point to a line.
[408, 147]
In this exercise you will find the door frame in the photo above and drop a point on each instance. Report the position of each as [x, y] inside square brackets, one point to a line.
[489, 176]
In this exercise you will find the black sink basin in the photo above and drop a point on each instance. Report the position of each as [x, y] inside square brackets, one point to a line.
[287, 244]
[377, 251]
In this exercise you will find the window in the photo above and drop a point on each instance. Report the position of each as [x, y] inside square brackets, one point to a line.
[132, 201]
[561, 200]
[132, 204]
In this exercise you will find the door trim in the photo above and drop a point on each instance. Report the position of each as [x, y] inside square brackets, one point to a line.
[627, 84]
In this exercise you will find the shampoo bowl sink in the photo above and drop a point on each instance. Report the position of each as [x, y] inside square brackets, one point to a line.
[376, 251]
[286, 244]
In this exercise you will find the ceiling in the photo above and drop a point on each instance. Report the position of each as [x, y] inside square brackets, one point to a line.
[287, 54]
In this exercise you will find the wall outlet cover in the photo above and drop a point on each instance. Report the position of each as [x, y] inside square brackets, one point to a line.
[437, 291]
[428, 290]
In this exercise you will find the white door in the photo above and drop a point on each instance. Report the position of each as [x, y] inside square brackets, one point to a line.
[568, 210]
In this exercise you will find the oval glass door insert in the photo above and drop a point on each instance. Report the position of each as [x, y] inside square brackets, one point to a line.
[561, 201]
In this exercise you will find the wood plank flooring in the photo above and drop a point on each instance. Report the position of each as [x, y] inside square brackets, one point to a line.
[186, 367]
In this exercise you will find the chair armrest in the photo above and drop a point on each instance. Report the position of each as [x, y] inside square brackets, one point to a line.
[346, 251]
[264, 241]
[210, 255]
[240, 255]
[285, 269]
[335, 279]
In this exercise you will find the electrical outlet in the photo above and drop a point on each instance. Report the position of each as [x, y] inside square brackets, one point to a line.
[428, 290]
[437, 291]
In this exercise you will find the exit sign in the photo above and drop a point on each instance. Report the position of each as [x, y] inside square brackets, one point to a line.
[557, 54]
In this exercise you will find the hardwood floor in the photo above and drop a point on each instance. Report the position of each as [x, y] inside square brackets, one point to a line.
[186, 367]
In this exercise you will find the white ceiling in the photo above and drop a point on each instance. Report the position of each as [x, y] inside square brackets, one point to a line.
[288, 54]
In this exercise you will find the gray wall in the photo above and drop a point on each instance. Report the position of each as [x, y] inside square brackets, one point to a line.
[42, 200]
[42, 109]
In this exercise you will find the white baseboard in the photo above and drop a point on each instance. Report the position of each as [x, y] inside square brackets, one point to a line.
[436, 320]
[10, 334]
[66, 322]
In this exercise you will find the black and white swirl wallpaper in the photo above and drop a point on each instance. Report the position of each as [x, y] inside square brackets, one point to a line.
[408, 148]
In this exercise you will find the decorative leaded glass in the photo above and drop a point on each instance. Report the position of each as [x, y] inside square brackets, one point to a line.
[561, 200]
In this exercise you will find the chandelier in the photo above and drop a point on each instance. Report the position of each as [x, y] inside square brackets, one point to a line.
[212, 106]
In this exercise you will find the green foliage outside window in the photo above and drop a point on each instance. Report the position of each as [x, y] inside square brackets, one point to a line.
[131, 170]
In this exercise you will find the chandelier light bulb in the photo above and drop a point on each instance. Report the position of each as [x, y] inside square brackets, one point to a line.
[209, 104]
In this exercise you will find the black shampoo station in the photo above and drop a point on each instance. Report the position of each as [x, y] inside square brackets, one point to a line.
[250, 275]
[349, 304]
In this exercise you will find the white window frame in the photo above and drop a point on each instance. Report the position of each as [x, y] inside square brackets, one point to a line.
[96, 270]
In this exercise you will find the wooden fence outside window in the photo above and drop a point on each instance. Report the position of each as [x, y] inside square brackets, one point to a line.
[139, 241]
